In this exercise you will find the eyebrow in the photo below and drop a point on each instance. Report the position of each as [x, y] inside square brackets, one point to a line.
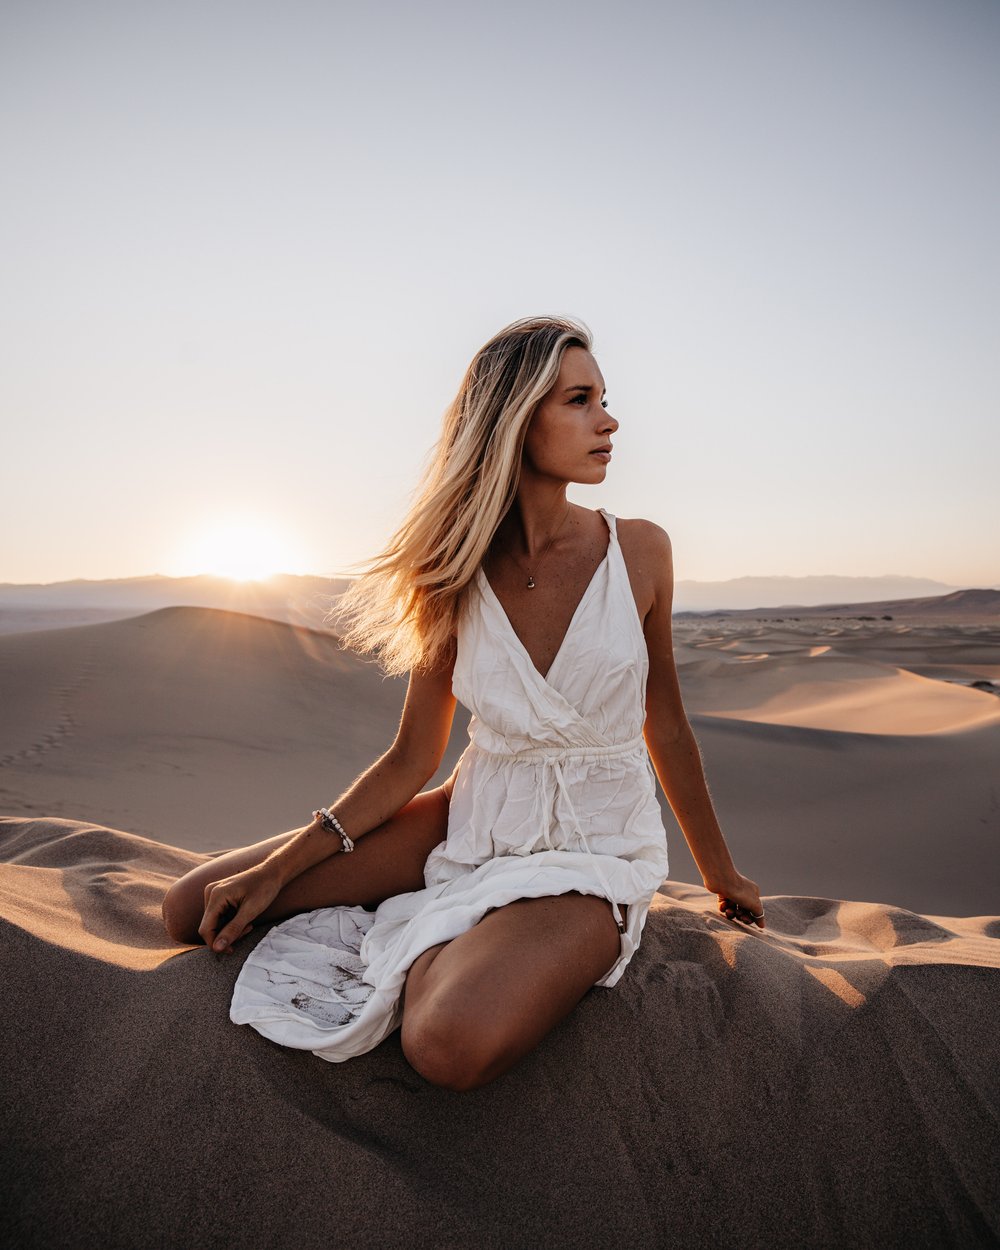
[580, 387]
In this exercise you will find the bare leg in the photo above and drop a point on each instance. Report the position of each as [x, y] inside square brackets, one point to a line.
[389, 860]
[473, 1006]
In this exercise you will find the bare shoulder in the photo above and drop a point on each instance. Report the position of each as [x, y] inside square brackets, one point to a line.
[648, 555]
[644, 539]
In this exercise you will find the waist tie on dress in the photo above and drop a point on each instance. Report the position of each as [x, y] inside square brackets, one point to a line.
[553, 757]
[564, 791]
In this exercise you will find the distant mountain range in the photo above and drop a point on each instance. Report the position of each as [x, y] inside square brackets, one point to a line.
[303, 600]
[783, 592]
[297, 600]
[970, 605]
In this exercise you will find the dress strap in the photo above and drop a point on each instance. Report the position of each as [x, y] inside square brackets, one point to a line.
[619, 574]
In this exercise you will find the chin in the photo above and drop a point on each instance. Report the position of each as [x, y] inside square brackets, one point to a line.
[582, 475]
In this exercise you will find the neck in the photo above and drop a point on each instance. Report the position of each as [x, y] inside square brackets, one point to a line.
[539, 510]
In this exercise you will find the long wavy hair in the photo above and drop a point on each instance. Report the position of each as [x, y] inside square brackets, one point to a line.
[405, 607]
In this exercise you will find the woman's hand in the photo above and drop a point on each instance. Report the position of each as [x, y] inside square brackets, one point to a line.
[739, 899]
[246, 894]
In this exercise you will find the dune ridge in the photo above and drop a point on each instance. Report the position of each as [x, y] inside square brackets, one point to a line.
[828, 1081]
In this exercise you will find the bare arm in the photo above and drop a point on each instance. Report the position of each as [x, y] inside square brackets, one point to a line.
[389, 784]
[672, 744]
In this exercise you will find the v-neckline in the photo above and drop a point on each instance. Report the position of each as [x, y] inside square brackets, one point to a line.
[576, 611]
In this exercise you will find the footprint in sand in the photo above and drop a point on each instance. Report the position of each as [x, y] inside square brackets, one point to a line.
[66, 722]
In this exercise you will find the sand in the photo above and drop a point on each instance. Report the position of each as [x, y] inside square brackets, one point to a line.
[197, 727]
[209, 729]
[831, 1080]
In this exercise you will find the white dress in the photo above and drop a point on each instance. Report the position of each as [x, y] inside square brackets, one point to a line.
[555, 793]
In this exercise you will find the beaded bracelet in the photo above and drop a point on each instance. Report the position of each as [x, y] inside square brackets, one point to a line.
[330, 822]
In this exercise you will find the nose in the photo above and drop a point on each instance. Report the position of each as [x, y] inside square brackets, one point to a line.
[609, 422]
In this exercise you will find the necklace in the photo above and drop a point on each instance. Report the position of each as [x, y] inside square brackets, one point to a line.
[531, 577]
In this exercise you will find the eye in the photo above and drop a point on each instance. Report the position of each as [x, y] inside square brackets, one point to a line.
[583, 399]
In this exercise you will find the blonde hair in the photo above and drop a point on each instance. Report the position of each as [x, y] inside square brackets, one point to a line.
[405, 607]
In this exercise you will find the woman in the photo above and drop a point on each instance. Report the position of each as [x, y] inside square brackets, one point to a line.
[525, 879]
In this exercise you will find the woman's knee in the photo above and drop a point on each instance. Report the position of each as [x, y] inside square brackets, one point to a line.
[183, 904]
[453, 1051]
[182, 908]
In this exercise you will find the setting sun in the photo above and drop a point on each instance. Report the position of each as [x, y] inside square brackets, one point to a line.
[244, 549]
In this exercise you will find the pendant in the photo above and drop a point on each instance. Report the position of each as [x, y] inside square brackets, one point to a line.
[531, 582]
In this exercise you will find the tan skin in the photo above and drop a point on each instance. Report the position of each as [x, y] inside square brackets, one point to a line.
[469, 1011]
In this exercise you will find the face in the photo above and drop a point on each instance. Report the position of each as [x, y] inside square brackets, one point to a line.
[569, 437]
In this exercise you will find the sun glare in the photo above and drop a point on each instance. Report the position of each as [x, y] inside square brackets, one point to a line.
[243, 549]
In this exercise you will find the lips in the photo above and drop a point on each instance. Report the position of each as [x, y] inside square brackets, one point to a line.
[602, 453]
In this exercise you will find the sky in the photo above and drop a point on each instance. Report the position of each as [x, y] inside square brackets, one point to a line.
[249, 249]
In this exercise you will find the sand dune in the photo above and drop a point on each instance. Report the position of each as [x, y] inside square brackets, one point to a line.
[828, 692]
[829, 1081]
[865, 680]
[210, 729]
[192, 725]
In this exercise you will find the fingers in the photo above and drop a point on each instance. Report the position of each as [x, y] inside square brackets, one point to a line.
[733, 910]
[220, 927]
[216, 903]
[220, 937]
[233, 931]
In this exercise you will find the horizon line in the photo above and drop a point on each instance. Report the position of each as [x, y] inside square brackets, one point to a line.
[260, 581]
